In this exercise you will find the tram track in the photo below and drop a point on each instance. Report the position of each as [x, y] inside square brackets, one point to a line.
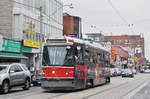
[56, 96]
[33, 93]
[108, 89]
[26, 95]
[83, 94]
[19, 93]
[91, 89]
[137, 86]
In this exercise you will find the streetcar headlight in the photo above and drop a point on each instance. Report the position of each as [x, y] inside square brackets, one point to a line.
[67, 73]
[53, 71]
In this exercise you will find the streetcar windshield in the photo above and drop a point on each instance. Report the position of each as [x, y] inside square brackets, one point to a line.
[58, 55]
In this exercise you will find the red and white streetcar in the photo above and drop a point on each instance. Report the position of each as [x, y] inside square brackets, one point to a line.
[70, 64]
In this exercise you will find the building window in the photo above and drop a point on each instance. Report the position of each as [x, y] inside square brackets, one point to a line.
[16, 24]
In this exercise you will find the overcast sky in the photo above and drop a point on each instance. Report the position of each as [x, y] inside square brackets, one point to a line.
[113, 17]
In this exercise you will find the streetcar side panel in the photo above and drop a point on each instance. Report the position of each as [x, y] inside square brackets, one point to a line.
[98, 70]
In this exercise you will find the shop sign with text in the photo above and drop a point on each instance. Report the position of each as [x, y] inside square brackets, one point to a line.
[11, 46]
[31, 43]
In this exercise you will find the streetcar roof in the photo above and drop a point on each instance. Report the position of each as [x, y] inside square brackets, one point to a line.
[75, 40]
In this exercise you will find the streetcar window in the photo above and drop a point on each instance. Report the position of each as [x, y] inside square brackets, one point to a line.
[87, 55]
[94, 57]
[58, 55]
[101, 56]
[98, 58]
[79, 55]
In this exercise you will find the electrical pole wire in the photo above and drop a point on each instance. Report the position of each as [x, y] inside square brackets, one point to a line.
[123, 19]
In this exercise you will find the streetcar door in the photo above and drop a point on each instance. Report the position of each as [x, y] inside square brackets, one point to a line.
[80, 67]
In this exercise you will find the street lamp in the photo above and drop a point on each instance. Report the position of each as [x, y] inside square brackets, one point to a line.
[41, 27]
[70, 6]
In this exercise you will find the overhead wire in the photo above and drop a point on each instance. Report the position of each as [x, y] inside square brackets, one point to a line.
[121, 17]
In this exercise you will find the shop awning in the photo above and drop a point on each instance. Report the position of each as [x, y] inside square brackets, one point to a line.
[12, 55]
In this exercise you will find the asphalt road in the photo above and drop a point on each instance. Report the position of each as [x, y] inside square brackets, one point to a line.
[143, 93]
[119, 88]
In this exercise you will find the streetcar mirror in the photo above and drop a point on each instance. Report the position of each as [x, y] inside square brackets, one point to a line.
[78, 48]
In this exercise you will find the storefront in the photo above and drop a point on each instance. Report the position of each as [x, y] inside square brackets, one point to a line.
[31, 49]
[120, 57]
[10, 51]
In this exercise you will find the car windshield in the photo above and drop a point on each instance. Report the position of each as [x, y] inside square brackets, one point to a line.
[127, 70]
[3, 69]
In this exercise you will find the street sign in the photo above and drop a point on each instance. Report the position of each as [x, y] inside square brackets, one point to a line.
[113, 54]
[72, 35]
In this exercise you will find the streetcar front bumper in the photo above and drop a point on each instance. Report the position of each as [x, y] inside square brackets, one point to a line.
[64, 84]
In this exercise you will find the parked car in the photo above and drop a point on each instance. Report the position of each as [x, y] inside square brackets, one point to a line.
[113, 72]
[134, 71]
[127, 73]
[118, 71]
[142, 70]
[14, 75]
[36, 79]
[147, 71]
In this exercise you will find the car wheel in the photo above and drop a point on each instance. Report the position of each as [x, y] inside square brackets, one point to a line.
[5, 87]
[35, 84]
[26, 85]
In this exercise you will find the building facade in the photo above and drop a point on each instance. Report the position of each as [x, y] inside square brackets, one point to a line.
[131, 41]
[133, 44]
[119, 57]
[20, 21]
[72, 25]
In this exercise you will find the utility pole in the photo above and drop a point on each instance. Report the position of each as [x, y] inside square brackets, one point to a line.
[41, 37]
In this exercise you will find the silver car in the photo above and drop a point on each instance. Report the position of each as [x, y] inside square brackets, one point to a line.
[127, 73]
[14, 75]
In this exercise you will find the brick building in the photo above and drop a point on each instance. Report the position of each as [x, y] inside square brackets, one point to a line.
[72, 25]
[131, 41]
[119, 57]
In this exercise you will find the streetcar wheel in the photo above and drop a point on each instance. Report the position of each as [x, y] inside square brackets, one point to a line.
[89, 83]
